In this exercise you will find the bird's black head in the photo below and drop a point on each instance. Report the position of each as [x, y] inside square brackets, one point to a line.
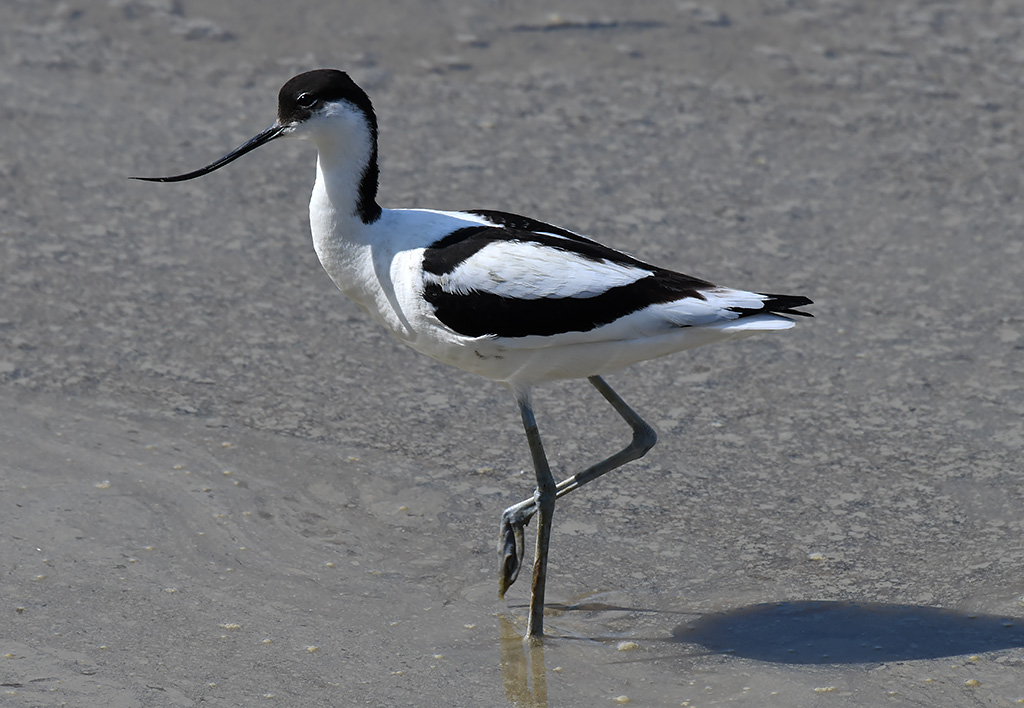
[305, 94]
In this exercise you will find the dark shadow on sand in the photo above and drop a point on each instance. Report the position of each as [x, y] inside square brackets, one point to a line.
[823, 632]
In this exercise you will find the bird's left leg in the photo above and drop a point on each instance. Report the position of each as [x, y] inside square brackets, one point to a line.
[543, 503]
[516, 517]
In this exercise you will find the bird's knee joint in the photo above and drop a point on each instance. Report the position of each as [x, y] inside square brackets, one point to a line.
[644, 439]
[544, 497]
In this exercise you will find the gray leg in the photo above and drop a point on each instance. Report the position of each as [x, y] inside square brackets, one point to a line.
[516, 517]
[544, 504]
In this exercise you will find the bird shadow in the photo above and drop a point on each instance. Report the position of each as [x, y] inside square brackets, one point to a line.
[828, 632]
[800, 632]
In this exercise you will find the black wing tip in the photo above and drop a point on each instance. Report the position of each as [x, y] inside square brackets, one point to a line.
[787, 304]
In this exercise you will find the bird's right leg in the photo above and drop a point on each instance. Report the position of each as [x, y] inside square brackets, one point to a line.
[512, 535]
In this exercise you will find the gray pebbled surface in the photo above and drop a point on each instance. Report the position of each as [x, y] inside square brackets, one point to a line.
[810, 490]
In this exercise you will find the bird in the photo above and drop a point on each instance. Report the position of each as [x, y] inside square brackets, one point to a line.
[511, 298]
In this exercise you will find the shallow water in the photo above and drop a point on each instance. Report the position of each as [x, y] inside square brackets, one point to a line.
[153, 560]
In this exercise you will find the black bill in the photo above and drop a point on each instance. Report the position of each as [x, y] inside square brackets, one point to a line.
[274, 131]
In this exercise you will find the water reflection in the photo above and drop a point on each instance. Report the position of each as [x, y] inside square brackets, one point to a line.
[522, 668]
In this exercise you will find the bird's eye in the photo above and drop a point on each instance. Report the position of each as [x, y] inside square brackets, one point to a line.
[306, 100]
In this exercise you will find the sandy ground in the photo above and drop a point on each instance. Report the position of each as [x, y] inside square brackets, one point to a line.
[220, 484]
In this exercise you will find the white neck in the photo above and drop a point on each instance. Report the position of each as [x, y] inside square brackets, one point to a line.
[346, 169]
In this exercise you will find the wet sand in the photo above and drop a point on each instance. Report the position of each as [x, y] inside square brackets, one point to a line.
[221, 484]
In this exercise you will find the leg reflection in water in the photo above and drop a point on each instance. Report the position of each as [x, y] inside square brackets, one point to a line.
[522, 668]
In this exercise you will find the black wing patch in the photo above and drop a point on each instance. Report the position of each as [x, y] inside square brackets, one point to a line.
[478, 314]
